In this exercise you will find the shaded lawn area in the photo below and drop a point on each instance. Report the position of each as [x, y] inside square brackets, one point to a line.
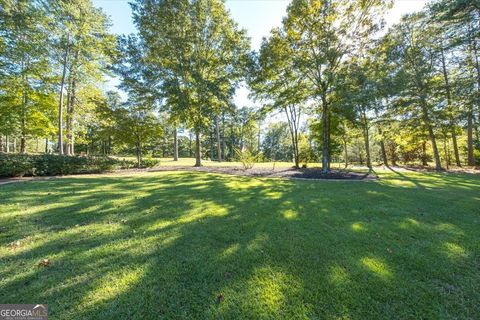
[195, 245]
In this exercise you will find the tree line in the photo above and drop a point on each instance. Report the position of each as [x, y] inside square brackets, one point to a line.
[348, 89]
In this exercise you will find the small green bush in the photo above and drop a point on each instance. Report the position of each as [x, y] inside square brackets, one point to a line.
[149, 163]
[247, 158]
[15, 165]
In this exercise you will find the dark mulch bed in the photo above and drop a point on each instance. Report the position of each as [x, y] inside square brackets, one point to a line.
[292, 173]
[300, 173]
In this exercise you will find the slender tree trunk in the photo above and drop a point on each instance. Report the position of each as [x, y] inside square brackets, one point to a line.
[367, 140]
[426, 118]
[219, 147]
[382, 147]
[294, 135]
[175, 144]
[446, 151]
[23, 147]
[198, 156]
[139, 154]
[455, 148]
[450, 108]
[224, 142]
[470, 114]
[470, 155]
[46, 145]
[424, 154]
[190, 151]
[259, 136]
[1, 144]
[60, 105]
[232, 140]
[71, 99]
[325, 156]
[7, 144]
[14, 144]
[438, 163]
[68, 121]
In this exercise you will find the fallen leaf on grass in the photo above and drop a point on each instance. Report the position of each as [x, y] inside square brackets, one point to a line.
[16, 244]
[43, 263]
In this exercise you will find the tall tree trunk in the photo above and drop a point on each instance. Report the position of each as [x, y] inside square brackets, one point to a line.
[23, 147]
[470, 114]
[224, 141]
[292, 125]
[367, 140]
[232, 140]
[445, 151]
[382, 147]
[219, 147]
[190, 151]
[438, 163]
[23, 126]
[198, 160]
[450, 107]
[60, 105]
[470, 155]
[426, 118]
[7, 144]
[325, 156]
[1, 144]
[455, 148]
[46, 145]
[71, 99]
[424, 154]
[175, 144]
[68, 121]
[259, 136]
[139, 153]
[14, 144]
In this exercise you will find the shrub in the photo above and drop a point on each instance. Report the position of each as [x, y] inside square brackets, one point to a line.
[149, 163]
[246, 158]
[14, 165]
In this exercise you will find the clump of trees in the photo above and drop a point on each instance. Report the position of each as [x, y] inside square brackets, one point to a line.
[346, 90]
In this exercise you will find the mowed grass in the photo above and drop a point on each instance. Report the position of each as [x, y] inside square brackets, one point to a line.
[189, 245]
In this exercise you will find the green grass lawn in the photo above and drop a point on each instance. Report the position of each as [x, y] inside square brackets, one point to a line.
[189, 245]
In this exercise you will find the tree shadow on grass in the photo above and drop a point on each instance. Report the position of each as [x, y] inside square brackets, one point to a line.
[191, 245]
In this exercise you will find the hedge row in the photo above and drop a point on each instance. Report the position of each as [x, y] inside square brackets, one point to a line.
[18, 165]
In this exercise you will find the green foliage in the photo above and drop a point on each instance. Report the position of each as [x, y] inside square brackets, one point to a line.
[247, 158]
[149, 162]
[17, 165]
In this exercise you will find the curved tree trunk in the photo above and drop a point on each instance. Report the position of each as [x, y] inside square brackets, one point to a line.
[60, 105]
